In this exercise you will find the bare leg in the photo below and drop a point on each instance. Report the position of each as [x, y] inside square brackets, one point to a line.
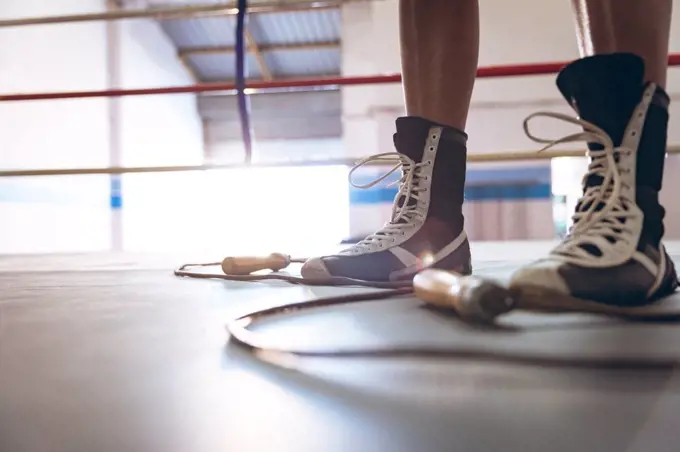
[641, 27]
[439, 51]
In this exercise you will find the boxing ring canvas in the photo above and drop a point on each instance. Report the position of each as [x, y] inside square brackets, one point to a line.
[111, 352]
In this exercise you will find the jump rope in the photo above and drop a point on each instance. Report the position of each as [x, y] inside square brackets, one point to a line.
[475, 300]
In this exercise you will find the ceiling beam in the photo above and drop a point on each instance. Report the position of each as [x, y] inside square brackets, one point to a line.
[255, 50]
[216, 50]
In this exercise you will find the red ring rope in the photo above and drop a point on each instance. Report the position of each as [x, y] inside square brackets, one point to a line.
[482, 72]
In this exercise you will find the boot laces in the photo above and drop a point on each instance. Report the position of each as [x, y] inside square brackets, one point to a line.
[601, 234]
[406, 210]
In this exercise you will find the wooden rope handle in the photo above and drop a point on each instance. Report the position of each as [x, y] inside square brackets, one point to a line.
[472, 298]
[245, 265]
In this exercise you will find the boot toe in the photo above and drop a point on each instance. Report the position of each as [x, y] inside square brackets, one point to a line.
[542, 274]
[315, 268]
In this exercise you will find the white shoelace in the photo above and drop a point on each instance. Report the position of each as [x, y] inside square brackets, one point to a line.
[404, 216]
[604, 210]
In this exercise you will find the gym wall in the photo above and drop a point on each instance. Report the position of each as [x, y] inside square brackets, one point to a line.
[74, 213]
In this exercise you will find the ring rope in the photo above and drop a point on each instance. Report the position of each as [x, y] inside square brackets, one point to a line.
[509, 156]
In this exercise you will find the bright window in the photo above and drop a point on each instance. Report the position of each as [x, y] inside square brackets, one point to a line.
[258, 210]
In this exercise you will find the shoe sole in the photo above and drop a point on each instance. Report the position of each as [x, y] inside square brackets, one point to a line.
[539, 299]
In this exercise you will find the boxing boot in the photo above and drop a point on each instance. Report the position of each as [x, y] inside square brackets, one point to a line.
[426, 228]
[613, 253]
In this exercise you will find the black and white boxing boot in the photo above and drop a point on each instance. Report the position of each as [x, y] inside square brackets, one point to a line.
[613, 253]
[426, 228]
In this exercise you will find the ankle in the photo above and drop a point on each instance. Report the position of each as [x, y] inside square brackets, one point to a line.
[654, 213]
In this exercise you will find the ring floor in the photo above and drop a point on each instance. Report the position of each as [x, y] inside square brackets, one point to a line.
[112, 353]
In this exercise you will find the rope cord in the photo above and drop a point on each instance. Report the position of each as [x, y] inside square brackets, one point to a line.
[268, 350]
[241, 68]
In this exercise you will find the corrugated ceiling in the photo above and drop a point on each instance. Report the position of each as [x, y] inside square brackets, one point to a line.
[201, 32]
[280, 30]
[293, 45]
[299, 27]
